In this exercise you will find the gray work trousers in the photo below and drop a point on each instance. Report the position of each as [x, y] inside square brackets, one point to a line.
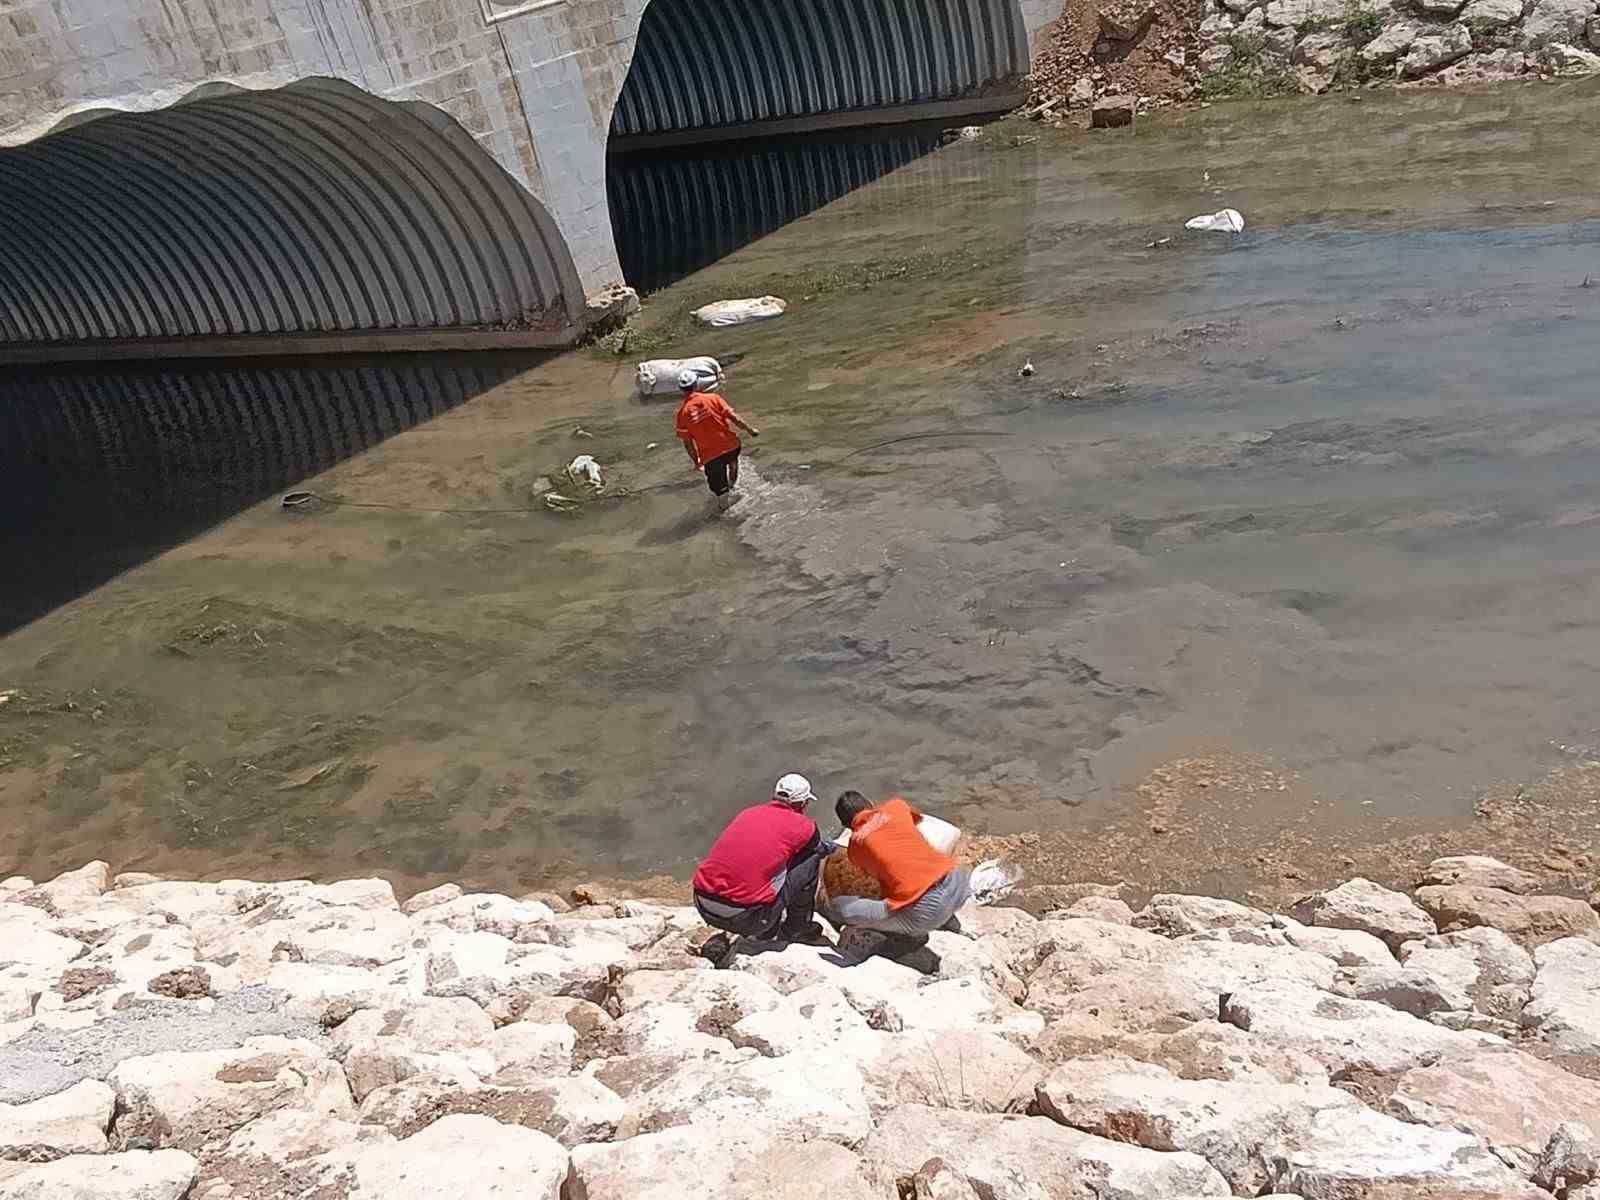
[923, 915]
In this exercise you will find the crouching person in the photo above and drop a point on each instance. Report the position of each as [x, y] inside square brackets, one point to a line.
[922, 888]
[760, 878]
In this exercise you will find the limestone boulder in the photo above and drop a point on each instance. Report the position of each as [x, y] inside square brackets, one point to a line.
[1439, 10]
[1026, 1158]
[288, 1153]
[1392, 42]
[1226, 1123]
[73, 1121]
[1100, 908]
[961, 1069]
[1363, 905]
[1561, 59]
[1354, 1151]
[528, 1051]
[1428, 53]
[1493, 971]
[1554, 21]
[71, 891]
[1295, 13]
[1125, 20]
[1512, 1100]
[1408, 989]
[288, 897]
[1569, 1160]
[464, 1155]
[1038, 899]
[731, 995]
[431, 898]
[487, 912]
[956, 956]
[801, 1097]
[1346, 947]
[1177, 915]
[634, 933]
[192, 1100]
[28, 948]
[180, 902]
[1204, 1050]
[1529, 920]
[747, 1162]
[1564, 1006]
[1340, 1033]
[572, 1110]
[136, 1175]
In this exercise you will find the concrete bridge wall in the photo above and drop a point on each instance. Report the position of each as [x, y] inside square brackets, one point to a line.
[535, 85]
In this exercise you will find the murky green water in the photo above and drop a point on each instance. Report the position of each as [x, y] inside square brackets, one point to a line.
[1310, 512]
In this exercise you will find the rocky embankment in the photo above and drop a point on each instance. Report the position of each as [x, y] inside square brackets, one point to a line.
[240, 1041]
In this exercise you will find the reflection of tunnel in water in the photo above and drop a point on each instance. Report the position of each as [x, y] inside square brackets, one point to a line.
[675, 211]
[103, 468]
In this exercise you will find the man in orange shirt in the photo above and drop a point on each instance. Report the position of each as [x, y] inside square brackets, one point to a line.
[921, 887]
[705, 426]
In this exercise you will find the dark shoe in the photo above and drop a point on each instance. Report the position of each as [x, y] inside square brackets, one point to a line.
[810, 934]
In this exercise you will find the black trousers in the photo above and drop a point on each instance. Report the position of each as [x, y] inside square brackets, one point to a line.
[787, 915]
[722, 472]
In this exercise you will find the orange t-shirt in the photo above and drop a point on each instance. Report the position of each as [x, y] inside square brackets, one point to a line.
[885, 841]
[706, 422]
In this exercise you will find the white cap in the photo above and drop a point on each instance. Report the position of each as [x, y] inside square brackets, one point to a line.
[688, 380]
[795, 790]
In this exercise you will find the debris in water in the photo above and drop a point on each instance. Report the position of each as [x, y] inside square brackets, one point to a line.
[738, 312]
[651, 446]
[578, 431]
[584, 469]
[556, 502]
[1159, 242]
[1227, 220]
[1026, 369]
[659, 376]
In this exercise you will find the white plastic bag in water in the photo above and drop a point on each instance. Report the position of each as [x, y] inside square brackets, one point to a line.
[584, 469]
[992, 879]
[659, 376]
[1228, 220]
[738, 312]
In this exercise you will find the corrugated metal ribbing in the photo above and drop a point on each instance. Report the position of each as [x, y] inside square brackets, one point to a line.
[673, 213]
[703, 63]
[310, 208]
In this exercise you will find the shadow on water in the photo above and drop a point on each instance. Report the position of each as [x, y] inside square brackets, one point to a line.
[102, 468]
[676, 210]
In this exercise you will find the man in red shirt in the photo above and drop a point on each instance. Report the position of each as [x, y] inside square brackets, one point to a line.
[921, 887]
[705, 426]
[760, 878]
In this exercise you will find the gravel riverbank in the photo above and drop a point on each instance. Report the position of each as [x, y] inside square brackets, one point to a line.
[239, 1041]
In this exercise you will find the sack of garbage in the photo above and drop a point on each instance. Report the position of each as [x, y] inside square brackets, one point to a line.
[992, 880]
[740, 312]
[1227, 220]
[659, 376]
[584, 469]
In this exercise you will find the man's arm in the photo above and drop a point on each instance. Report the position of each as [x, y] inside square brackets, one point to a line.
[688, 448]
[743, 424]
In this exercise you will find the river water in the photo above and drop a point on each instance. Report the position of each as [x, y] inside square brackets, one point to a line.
[1282, 561]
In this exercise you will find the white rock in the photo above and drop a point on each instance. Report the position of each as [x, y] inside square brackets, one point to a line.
[1552, 21]
[1032, 1158]
[1510, 1099]
[801, 1097]
[1407, 989]
[18, 1001]
[429, 1024]
[965, 1003]
[1175, 915]
[292, 896]
[1364, 905]
[958, 956]
[24, 942]
[465, 1155]
[781, 1031]
[1564, 1008]
[730, 994]
[75, 889]
[525, 1052]
[1340, 1033]
[1440, 9]
[1493, 971]
[1426, 54]
[1529, 920]
[196, 1099]
[1100, 908]
[635, 933]
[321, 993]
[1346, 947]
[185, 903]
[1226, 1123]
[73, 1122]
[1394, 40]
[967, 1070]
[1356, 1152]
[488, 912]
[1569, 1159]
[1294, 13]
[432, 897]
[573, 1110]
[746, 1162]
[13, 885]
[137, 1175]
[1569, 60]
[1322, 51]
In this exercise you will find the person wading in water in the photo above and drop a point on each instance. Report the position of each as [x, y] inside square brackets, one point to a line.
[706, 425]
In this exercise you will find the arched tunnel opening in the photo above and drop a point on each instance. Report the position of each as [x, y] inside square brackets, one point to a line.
[738, 118]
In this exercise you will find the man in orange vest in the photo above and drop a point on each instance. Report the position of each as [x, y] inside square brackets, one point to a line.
[921, 887]
[706, 425]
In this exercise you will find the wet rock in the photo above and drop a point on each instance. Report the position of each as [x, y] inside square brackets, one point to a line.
[136, 1175]
[1510, 1099]
[1529, 920]
[1488, 966]
[1410, 990]
[1570, 1159]
[70, 1122]
[1125, 20]
[655, 1166]
[1393, 41]
[1174, 916]
[1363, 905]
[1226, 1123]
[1023, 1158]
[196, 1099]
[1357, 1152]
[1111, 112]
[1564, 1008]
[1429, 53]
[1343, 1034]
[1554, 21]
[464, 1155]
[431, 898]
